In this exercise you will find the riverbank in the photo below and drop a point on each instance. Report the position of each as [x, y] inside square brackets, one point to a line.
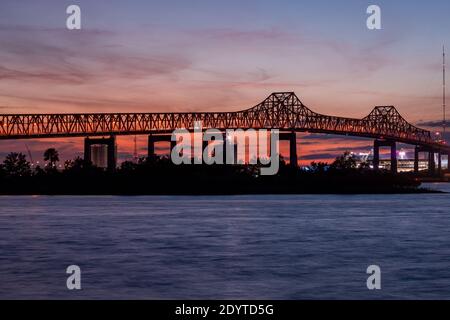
[210, 181]
[444, 179]
[159, 176]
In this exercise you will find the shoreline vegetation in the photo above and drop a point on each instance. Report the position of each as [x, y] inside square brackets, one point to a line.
[159, 176]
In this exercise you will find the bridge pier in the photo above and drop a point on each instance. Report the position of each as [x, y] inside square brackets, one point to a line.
[227, 145]
[376, 153]
[431, 162]
[376, 156]
[416, 159]
[431, 159]
[447, 155]
[153, 139]
[439, 162]
[292, 138]
[394, 162]
[150, 147]
[224, 147]
[111, 150]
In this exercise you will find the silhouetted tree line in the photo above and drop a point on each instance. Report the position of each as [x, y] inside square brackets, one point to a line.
[158, 175]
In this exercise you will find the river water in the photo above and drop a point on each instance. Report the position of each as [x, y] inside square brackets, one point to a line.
[226, 247]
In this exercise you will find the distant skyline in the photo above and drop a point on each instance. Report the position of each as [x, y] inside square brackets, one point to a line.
[164, 56]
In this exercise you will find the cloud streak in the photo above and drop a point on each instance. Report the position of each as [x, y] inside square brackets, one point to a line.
[75, 58]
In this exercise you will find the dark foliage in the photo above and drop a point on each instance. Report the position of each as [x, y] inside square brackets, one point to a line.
[159, 175]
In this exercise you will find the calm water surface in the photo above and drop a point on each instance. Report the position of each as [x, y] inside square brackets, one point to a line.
[255, 247]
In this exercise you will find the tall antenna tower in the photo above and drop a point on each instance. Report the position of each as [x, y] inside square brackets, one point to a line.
[443, 94]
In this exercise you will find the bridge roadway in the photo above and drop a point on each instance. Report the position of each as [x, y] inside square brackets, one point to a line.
[282, 110]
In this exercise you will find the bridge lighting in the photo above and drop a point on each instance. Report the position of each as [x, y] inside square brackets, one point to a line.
[381, 119]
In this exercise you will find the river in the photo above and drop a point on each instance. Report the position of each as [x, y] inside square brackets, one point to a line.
[226, 247]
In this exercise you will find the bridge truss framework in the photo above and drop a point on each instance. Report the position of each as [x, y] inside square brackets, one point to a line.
[283, 111]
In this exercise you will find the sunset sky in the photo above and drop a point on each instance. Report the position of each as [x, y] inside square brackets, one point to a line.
[164, 56]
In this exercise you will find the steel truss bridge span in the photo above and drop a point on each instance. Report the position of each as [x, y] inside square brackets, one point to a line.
[283, 111]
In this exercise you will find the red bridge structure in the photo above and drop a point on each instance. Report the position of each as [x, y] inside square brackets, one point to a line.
[282, 110]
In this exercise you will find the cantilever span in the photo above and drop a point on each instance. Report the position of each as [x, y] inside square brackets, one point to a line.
[282, 110]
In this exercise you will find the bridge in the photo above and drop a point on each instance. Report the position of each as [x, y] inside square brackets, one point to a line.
[282, 110]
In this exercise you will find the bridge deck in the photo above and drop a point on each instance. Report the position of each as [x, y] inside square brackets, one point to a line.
[282, 111]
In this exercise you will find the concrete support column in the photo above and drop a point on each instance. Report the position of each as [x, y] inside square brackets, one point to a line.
[376, 155]
[87, 150]
[153, 139]
[439, 162]
[393, 157]
[292, 138]
[416, 159]
[431, 162]
[293, 150]
[112, 153]
[448, 160]
[224, 147]
[151, 146]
